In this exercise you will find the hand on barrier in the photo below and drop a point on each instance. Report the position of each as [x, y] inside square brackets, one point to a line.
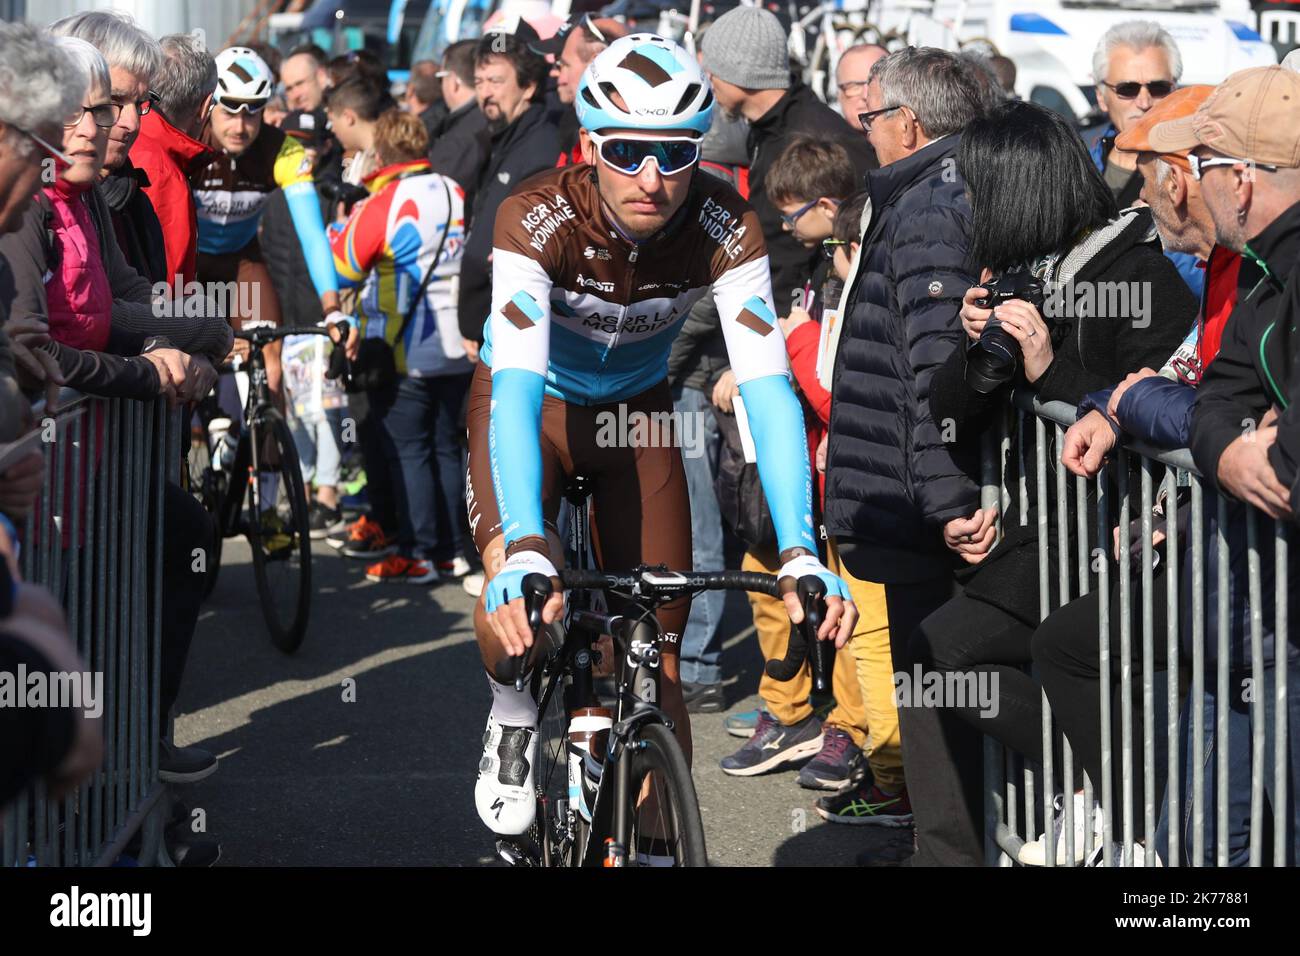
[201, 380]
[841, 614]
[173, 368]
[35, 366]
[21, 485]
[972, 538]
[504, 601]
[1129, 380]
[1087, 444]
[1245, 472]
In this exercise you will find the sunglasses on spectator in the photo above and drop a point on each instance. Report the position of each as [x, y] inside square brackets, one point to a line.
[830, 245]
[252, 107]
[671, 154]
[1201, 163]
[105, 115]
[1129, 90]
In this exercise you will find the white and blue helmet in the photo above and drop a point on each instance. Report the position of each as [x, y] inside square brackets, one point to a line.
[242, 76]
[644, 82]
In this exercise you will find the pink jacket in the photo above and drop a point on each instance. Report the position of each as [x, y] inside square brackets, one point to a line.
[77, 291]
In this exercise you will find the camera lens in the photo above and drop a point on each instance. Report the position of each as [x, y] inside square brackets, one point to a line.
[992, 360]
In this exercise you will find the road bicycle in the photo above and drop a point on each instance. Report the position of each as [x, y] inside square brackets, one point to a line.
[613, 786]
[258, 491]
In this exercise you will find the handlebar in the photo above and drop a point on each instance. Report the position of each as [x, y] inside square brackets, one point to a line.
[261, 335]
[662, 584]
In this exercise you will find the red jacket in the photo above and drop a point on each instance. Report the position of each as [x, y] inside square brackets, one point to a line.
[168, 157]
[802, 349]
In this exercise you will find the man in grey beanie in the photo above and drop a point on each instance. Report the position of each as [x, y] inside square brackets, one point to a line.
[745, 55]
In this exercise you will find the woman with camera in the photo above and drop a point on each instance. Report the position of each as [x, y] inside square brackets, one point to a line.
[403, 245]
[1075, 295]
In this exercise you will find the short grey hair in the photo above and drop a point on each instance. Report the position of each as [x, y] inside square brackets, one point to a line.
[117, 36]
[1137, 35]
[1162, 170]
[934, 84]
[40, 84]
[90, 60]
[188, 76]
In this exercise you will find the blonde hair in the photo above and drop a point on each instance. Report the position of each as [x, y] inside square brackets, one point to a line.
[400, 137]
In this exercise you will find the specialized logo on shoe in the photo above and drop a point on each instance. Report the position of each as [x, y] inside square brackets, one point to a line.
[498, 805]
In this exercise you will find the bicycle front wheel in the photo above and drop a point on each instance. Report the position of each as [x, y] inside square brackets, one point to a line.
[279, 534]
[666, 811]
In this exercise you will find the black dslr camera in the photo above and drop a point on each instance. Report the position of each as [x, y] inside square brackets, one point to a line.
[994, 359]
[337, 191]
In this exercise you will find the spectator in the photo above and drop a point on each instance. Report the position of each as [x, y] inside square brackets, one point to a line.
[1135, 65]
[982, 70]
[508, 82]
[851, 80]
[745, 56]
[574, 46]
[899, 323]
[459, 142]
[1245, 144]
[304, 78]
[353, 108]
[134, 58]
[168, 153]
[423, 95]
[1059, 216]
[275, 111]
[406, 302]
[363, 64]
[1005, 69]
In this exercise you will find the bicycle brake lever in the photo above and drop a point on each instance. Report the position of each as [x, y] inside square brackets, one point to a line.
[537, 591]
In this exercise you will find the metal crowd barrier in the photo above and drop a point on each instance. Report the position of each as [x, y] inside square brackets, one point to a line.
[94, 540]
[1012, 810]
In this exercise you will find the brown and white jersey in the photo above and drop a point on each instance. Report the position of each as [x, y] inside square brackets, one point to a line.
[595, 313]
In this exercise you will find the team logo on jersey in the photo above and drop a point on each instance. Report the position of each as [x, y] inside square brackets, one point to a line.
[544, 219]
[522, 311]
[756, 316]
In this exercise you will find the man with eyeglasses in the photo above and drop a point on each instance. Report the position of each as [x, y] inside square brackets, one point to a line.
[851, 75]
[594, 269]
[1244, 144]
[134, 60]
[252, 160]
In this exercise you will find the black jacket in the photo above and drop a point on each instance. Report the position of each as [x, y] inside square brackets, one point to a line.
[1089, 352]
[136, 225]
[1256, 365]
[799, 111]
[528, 145]
[891, 480]
[459, 147]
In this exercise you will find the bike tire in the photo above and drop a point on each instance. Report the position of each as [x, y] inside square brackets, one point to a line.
[208, 488]
[660, 753]
[288, 624]
[550, 775]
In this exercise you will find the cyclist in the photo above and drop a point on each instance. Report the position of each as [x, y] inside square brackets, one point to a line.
[252, 160]
[595, 267]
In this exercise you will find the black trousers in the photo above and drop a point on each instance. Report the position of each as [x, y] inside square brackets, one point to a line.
[186, 526]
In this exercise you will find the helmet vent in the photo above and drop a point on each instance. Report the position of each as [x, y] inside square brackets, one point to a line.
[692, 91]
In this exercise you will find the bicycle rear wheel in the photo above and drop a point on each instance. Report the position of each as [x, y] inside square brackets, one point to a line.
[279, 534]
[668, 821]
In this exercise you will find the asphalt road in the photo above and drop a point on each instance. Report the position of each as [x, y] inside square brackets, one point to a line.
[362, 748]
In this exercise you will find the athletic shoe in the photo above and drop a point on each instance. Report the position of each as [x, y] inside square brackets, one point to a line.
[742, 724]
[396, 567]
[473, 584]
[836, 766]
[184, 764]
[457, 567]
[866, 805]
[1034, 853]
[337, 539]
[703, 698]
[190, 851]
[504, 792]
[367, 540]
[323, 520]
[274, 536]
[774, 745]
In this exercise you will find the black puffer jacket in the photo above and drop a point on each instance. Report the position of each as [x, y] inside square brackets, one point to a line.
[891, 480]
[528, 145]
[458, 147]
[799, 111]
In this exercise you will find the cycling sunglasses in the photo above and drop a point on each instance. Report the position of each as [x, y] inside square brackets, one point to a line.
[252, 107]
[1199, 164]
[1128, 91]
[671, 154]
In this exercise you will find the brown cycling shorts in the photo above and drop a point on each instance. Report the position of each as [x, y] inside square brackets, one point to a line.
[640, 509]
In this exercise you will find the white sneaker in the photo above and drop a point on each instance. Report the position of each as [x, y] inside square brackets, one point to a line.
[504, 793]
[457, 567]
[473, 584]
[1034, 853]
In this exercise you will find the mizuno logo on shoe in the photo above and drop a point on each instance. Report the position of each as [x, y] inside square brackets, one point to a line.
[774, 743]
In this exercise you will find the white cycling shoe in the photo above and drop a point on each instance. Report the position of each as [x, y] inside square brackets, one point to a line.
[504, 793]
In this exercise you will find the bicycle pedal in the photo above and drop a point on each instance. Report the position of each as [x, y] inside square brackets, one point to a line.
[517, 852]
